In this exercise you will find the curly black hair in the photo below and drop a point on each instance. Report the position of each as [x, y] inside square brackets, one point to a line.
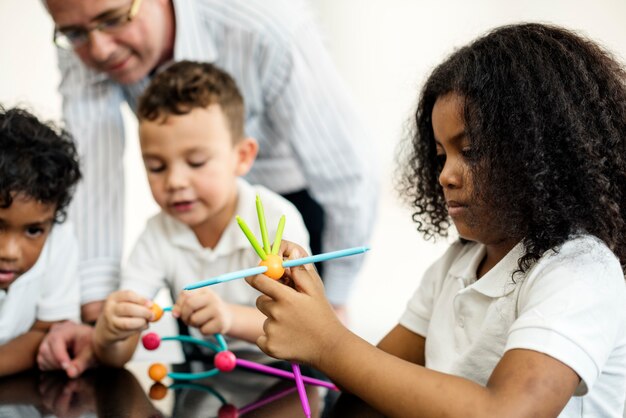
[545, 112]
[37, 160]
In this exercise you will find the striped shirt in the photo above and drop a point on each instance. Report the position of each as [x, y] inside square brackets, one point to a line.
[296, 107]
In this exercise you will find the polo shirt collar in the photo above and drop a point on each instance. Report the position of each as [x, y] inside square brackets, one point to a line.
[232, 239]
[497, 282]
[191, 43]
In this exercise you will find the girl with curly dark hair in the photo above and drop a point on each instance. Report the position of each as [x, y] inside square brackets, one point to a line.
[520, 143]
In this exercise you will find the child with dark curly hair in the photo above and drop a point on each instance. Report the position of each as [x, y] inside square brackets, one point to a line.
[38, 252]
[520, 143]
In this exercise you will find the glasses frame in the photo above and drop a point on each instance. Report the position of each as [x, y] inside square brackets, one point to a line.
[62, 41]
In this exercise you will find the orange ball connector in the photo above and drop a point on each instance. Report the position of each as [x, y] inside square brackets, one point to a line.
[157, 311]
[157, 372]
[274, 264]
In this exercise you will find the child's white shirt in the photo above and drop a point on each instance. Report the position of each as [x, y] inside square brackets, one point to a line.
[569, 305]
[49, 291]
[168, 254]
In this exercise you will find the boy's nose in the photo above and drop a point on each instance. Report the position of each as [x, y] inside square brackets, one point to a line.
[177, 179]
[9, 249]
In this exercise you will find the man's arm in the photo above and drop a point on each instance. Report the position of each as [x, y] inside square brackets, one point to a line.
[92, 113]
[19, 354]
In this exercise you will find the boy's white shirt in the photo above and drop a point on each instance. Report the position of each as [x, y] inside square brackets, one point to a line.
[168, 254]
[49, 291]
[570, 305]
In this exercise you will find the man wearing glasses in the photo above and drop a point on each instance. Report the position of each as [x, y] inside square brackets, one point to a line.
[313, 150]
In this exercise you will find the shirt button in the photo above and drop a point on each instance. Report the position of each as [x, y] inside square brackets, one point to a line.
[461, 322]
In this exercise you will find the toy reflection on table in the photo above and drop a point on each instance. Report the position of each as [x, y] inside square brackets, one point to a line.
[227, 410]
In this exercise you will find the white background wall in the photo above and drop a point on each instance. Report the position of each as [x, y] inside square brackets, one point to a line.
[384, 50]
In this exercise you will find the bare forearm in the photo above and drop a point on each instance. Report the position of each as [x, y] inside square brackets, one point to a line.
[381, 380]
[247, 323]
[89, 312]
[20, 353]
[114, 354]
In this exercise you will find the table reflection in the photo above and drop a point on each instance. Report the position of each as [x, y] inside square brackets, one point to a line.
[105, 392]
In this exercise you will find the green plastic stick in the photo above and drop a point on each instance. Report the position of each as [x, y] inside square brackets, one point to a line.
[251, 238]
[279, 235]
[262, 225]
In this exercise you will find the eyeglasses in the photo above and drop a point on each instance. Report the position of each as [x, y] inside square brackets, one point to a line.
[74, 37]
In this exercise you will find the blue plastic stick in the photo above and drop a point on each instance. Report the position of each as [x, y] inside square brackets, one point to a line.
[287, 263]
[227, 277]
[325, 256]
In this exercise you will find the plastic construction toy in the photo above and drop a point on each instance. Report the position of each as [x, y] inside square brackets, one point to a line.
[158, 391]
[272, 265]
[224, 361]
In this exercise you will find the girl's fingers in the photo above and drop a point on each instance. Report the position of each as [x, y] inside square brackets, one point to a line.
[269, 287]
[263, 304]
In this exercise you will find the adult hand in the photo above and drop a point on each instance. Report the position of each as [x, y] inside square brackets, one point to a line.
[205, 310]
[301, 324]
[67, 346]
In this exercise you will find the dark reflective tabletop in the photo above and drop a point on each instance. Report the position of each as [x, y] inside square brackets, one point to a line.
[129, 392]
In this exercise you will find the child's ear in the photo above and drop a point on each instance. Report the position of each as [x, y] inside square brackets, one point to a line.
[246, 150]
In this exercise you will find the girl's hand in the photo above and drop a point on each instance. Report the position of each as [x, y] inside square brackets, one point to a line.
[301, 324]
[205, 310]
[125, 314]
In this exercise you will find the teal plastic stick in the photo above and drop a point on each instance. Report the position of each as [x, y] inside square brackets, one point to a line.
[240, 274]
[221, 341]
[193, 376]
[189, 339]
[325, 256]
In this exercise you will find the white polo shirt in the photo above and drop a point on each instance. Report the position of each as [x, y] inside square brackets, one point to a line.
[49, 291]
[569, 305]
[168, 254]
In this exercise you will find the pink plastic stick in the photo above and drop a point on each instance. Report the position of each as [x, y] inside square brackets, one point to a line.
[304, 400]
[265, 401]
[281, 373]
